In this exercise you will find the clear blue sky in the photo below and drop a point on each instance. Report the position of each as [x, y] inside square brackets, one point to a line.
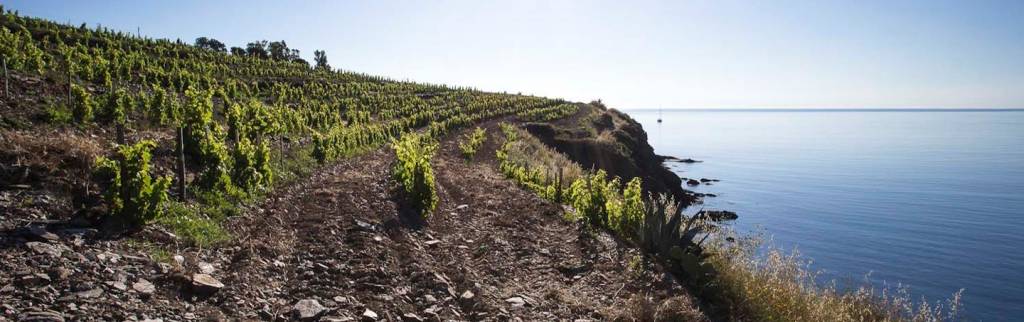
[632, 54]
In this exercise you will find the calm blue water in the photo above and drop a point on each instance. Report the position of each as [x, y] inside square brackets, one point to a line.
[934, 200]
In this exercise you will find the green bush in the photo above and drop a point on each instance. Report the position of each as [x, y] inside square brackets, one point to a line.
[214, 160]
[158, 106]
[252, 166]
[253, 120]
[472, 142]
[413, 171]
[236, 123]
[320, 149]
[21, 52]
[197, 119]
[58, 114]
[629, 218]
[204, 141]
[83, 106]
[602, 202]
[594, 198]
[118, 106]
[134, 195]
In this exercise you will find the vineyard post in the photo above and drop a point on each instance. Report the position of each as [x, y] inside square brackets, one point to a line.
[120, 133]
[181, 163]
[7, 80]
[122, 160]
[69, 84]
[558, 190]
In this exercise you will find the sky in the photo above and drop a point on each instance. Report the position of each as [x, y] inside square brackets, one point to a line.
[630, 54]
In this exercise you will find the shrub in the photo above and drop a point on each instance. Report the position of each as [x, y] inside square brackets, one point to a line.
[252, 166]
[214, 159]
[413, 170]
[197, 118]
[159, 106]
[204, 141]
[630, 216]
[83, 106]
[20, 50]
[252, 120]
[118, 105]
[320, 149]
[472, 142]
[134, 194]
[58, 114]
[594, 198]
[235, 122]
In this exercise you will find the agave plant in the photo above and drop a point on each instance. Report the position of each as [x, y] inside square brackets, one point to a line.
[672, 235]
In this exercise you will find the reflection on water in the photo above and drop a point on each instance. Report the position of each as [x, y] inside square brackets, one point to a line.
[930, 199]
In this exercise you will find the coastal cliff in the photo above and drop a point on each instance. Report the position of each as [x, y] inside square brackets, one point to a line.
[603, 138]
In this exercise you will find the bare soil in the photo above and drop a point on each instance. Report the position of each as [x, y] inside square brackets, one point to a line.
[491, 251]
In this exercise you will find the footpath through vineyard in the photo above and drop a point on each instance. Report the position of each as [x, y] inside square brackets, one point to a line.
[336, 246]
[491, 251]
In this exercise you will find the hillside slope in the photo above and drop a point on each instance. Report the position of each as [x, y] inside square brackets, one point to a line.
[290, 207]
[338, 238]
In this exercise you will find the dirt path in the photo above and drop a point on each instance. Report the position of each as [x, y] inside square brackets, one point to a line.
[492, 251]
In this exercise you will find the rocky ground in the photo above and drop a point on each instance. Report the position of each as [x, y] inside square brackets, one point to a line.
[339, 246]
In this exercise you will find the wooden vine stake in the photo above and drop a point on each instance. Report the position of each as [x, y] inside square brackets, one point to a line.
[69, 84]
[280, 152]
[558, 189]
[7, 80]
[181, 163]
[123, 161]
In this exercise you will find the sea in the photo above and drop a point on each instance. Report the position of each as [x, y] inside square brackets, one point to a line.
[929, 199]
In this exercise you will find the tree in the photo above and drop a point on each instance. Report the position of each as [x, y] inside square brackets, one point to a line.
[320, 57]
[210, 44]
[238, 51]
[278, 50]
[257, 49]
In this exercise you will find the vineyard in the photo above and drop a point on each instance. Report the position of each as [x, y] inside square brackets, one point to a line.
[217, 152]
[226, 116]
[151, 179]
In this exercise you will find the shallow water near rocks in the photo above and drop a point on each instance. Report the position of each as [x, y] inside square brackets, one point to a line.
[930, 199]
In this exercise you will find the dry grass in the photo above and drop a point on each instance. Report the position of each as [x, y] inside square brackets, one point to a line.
[529, 152]
[780, 286]
[28, 157]
[643, 308]
[49, 148]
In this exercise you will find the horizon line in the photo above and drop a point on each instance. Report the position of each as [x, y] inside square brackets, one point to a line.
[826, 109]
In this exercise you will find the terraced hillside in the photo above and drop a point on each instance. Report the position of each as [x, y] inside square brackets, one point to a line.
[151, 179]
